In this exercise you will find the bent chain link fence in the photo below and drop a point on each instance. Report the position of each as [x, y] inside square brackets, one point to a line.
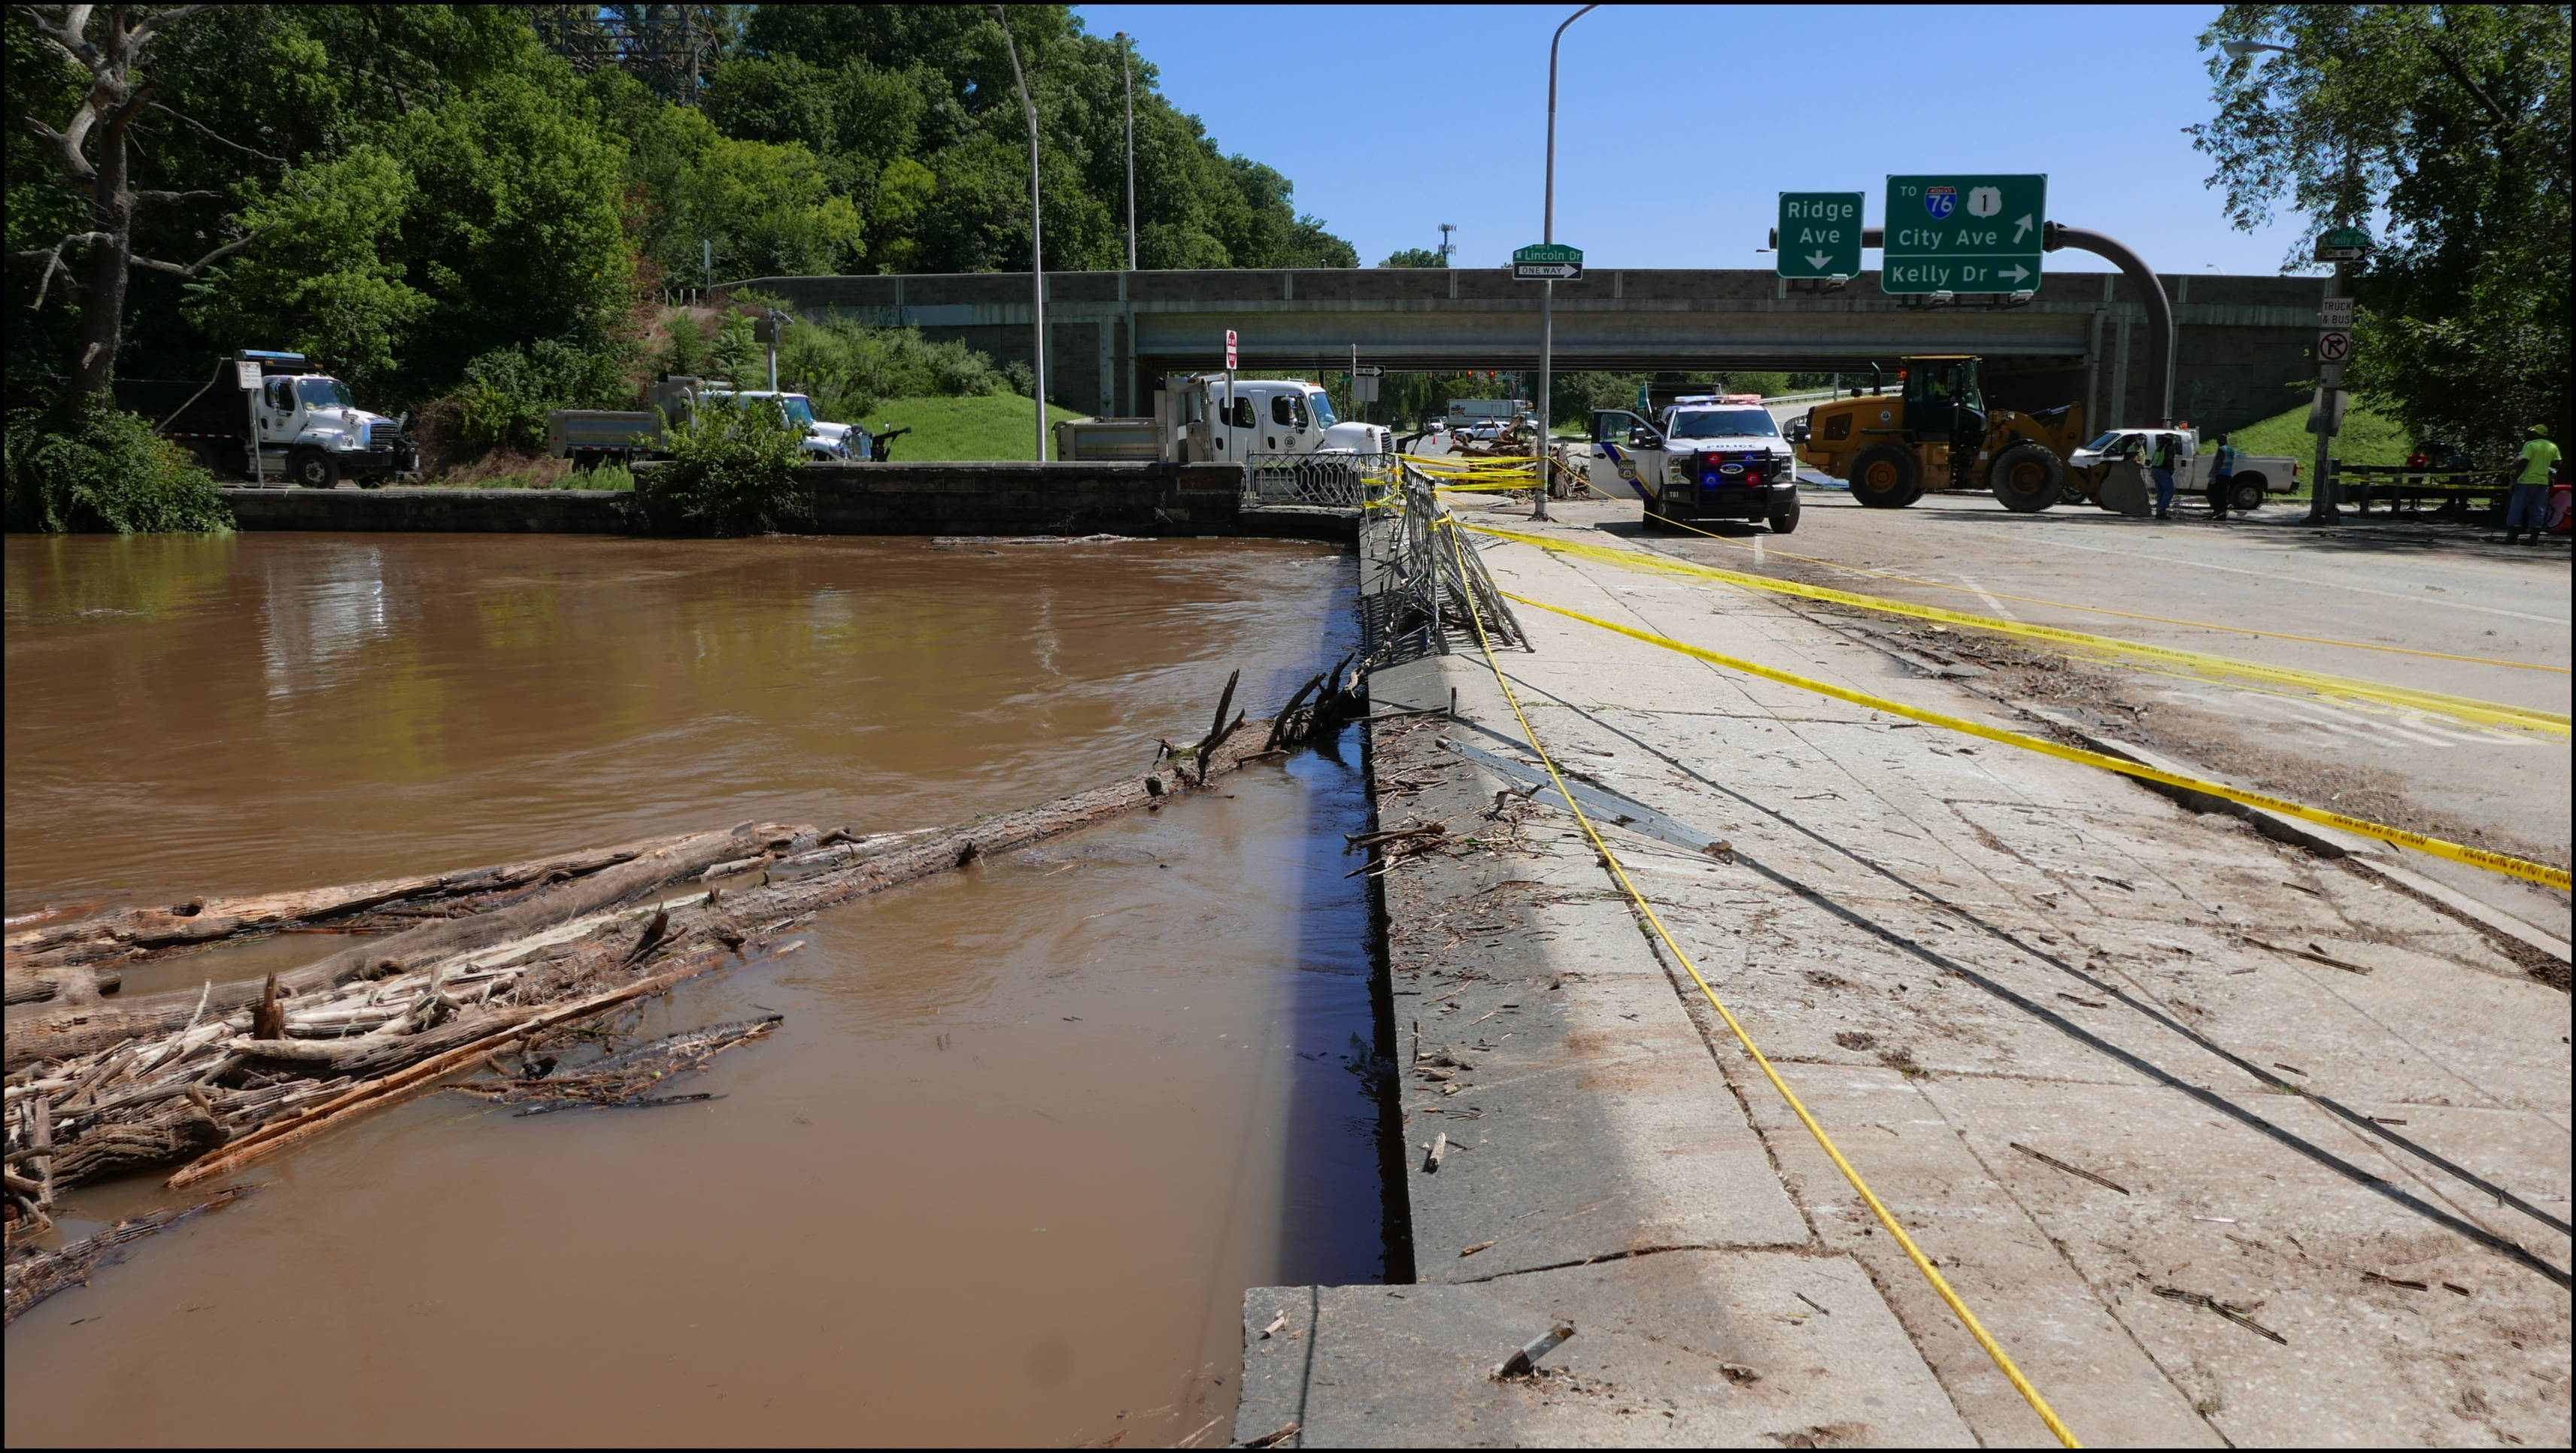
[1338, 480]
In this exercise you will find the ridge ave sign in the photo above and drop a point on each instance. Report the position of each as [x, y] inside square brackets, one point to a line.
[1819, 234]
[1964, 233]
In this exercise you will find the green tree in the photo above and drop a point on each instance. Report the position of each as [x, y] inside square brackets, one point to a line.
[517, 231]
[329, 282]
[1415, 257]
[2450, 124]
[932, 85]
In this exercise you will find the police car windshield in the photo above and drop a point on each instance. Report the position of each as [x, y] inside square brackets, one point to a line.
[322, 392]
[1722, 423]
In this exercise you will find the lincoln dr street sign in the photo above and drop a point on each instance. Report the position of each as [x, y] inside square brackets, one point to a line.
[1964, 234]
[1548, 262]
[1819, 234]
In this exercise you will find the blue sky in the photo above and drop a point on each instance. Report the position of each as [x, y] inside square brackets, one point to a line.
[1679, 125]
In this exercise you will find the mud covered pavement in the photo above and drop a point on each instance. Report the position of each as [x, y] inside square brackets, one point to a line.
[2224, 1141]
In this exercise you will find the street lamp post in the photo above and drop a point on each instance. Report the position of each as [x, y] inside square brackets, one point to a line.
[2321, 486]
[1037, 251]
[1547, 294]
[1127, 65]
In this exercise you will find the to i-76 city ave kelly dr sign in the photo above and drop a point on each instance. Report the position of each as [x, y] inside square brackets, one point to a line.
[1964, 234]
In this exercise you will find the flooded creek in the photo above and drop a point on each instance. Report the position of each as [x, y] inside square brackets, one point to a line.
[1026, 1133]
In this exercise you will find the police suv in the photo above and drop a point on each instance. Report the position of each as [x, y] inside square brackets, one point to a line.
[1709, 457]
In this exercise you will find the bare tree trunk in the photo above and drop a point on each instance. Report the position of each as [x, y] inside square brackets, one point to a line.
[111, 262]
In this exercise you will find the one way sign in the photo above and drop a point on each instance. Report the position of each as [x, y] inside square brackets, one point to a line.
[1819, 234]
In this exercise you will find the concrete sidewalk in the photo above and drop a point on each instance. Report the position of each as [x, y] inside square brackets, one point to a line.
[2061, 1024]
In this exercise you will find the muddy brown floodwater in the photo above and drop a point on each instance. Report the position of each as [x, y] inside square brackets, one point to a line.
[1025, 1136]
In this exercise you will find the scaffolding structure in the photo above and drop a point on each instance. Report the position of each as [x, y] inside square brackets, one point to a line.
[668, 47]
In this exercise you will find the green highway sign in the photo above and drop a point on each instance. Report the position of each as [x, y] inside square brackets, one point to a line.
[1964, 234]
[1819, 234]
[1547, 262]
[2344, 244]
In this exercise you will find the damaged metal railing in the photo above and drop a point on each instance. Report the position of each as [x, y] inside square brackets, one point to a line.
[1430, 588]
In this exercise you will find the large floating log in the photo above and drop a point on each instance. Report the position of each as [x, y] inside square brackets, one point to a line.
[73, 1031]
[127, 933]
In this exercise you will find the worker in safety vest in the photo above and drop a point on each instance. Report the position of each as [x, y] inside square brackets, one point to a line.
[2162, 461]
[2222, 479]
[2526, 509]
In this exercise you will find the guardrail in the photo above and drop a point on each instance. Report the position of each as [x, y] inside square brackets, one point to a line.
[2400, 486]
[1815, 395]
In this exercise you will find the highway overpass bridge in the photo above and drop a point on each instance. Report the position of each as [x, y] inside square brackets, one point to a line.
[2243, 351]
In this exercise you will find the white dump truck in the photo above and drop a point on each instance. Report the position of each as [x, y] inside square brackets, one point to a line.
[591, 437]
[269, 416]
[1284, 430]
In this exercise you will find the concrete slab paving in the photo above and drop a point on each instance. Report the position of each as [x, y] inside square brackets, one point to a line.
[1682, 1349]
[1952, 950]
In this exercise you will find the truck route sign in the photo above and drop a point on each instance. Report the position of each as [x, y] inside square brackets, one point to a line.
[1547, 262]
[1964, 233]
[1819, 234]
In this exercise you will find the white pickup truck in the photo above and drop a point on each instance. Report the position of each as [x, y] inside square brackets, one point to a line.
[1711, 457]
[2257, 475]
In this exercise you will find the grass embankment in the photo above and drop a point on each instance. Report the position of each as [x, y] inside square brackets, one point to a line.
[992, 426]
[2366, 438]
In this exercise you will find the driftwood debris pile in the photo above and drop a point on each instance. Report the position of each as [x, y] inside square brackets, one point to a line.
[629, 1078]
[459, 969]
[37, 1272]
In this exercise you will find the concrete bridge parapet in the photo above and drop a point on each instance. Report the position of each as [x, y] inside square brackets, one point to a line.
[2082, 338]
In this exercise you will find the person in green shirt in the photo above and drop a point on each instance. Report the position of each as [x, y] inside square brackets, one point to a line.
[2525, 510]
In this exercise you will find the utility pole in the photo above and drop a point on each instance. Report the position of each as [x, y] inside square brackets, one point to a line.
[1547, 298]
[1127, 64]
[1037, 248]
[1448, 249]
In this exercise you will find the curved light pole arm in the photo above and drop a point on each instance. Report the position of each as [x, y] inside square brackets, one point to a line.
[2151, 295]
[1547, 298]
[1037, 249]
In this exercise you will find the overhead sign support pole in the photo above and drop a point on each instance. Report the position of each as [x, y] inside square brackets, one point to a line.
[1547, 299]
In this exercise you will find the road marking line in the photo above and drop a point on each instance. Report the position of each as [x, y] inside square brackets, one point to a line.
[1988, 597]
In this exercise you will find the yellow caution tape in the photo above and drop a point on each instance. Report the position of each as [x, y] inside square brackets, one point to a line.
[2493, 862]
[2126, 615]
[2482, 713]
[1877, 1208]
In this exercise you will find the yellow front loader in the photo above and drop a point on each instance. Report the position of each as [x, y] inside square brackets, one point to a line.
[1939, 434]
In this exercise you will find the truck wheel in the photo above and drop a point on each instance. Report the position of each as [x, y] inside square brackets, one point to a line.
[2028, 478]
[1885, 477]
[312, 468]
[2247, 496]
[1655, 523]
[1786, 522]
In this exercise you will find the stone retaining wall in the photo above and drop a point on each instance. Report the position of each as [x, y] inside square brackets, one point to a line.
[1070, 498]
